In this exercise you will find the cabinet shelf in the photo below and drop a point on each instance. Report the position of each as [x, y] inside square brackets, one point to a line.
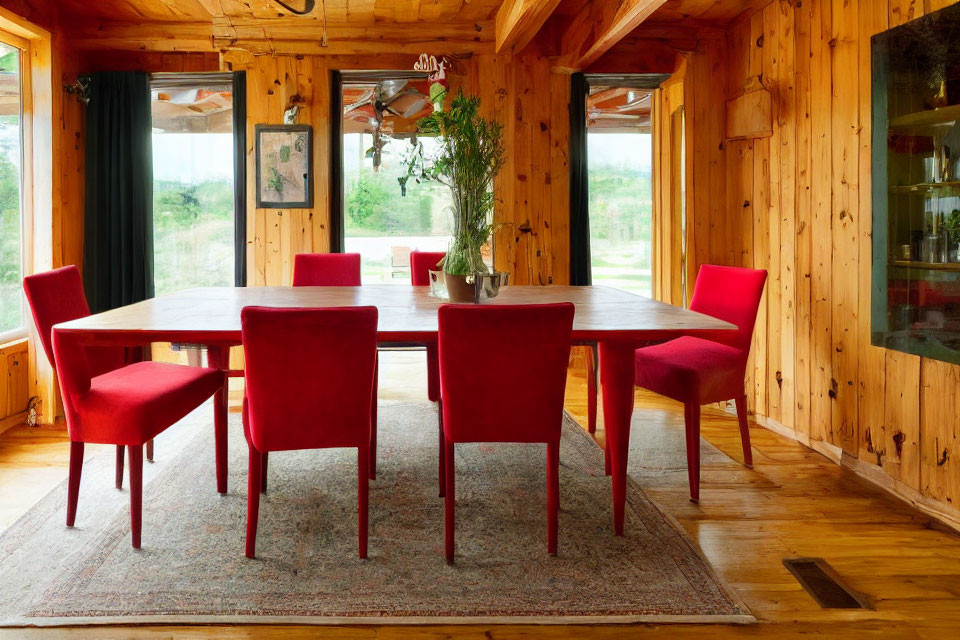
[929, 118]
[932, 266]
[926, 187]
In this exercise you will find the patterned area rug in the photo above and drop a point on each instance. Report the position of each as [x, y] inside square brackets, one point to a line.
[192, 568]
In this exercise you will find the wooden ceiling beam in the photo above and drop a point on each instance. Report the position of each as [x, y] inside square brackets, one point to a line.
[301, 36]
[598, 27]
[518, 21]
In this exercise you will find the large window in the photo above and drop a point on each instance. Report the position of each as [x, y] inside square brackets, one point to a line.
[11, 193]
[380, 223]
[619, 157]
[193, 209]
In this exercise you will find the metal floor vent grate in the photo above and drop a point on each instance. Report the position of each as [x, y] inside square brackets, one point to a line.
[825, 585]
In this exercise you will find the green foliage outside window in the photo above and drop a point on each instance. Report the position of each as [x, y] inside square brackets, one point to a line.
[620, 204]
[192, 235]
[10, 300]
[374, 208]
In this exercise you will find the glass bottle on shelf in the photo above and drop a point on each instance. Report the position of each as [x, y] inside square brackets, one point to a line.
[944, 254]
[930, 247]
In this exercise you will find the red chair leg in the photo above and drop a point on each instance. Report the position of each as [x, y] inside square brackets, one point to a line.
[591, 390]
[119, 467]
[373, 420]
[363, 497]
[263, 472]
[553, 494]
[433, 373]
[219, 358]
[149, 452]
[744, 431]
[449, 501]
[253, 500]
[73, 482]
[691, 414]
[607, 469]
[441, 451]
[136, 492]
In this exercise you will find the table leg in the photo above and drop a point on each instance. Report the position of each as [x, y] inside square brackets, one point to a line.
[617, 378]
[218, 357]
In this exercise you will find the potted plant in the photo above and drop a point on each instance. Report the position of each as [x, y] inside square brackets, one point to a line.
[469, 157]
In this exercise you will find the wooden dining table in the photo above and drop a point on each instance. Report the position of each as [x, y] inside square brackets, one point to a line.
[618, 321]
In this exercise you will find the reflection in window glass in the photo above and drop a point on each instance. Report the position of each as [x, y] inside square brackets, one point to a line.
[619, 158]
[193, 213]
[381, 224]
[11, 182]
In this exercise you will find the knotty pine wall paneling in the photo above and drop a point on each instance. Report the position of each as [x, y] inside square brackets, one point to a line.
[532, 190]
[808, 187]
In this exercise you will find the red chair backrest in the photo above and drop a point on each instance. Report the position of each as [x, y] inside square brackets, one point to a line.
[503, 369]
[421, 262]
[57, 296]
[731, 294]
[326, 270]
[309, 376]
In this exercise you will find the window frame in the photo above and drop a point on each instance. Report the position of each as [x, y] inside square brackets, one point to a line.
[192, 79]
[26, 176]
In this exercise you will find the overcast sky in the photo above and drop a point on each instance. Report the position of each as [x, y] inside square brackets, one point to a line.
[620, 150]
[193, 157]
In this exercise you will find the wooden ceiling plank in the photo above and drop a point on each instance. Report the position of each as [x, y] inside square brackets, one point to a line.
[599, 26]
[518, 21]
[213, 7]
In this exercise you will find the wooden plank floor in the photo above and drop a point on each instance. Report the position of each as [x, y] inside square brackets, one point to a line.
[795, 503]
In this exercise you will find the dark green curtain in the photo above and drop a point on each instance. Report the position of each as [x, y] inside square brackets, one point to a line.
[118, 214]
[240, 178]
[579, 193]
[336, 163]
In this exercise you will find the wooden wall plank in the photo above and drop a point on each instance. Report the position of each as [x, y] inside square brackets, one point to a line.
[821, 359]
[787, 114]
[771, 77]
[559, 179]
[761, 223]
[845, 123]
[804, 219]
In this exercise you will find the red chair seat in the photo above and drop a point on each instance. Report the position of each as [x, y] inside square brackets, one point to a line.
[691, 370]
[133, 404]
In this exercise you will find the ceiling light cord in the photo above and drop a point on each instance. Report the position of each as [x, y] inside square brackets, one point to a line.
[308, 6]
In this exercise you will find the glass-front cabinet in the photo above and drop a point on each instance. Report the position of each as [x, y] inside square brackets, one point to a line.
[916, 187]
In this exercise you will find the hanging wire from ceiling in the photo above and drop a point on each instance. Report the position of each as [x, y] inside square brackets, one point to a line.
[308, 6]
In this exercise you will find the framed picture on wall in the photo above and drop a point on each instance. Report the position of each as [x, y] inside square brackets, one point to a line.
[284, 155]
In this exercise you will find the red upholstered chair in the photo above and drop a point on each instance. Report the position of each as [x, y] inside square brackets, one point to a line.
[106, 402]
[326, 270]
[421, 262]
[334, 270]
[309, 378]
[528, 361]
[698, 371]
